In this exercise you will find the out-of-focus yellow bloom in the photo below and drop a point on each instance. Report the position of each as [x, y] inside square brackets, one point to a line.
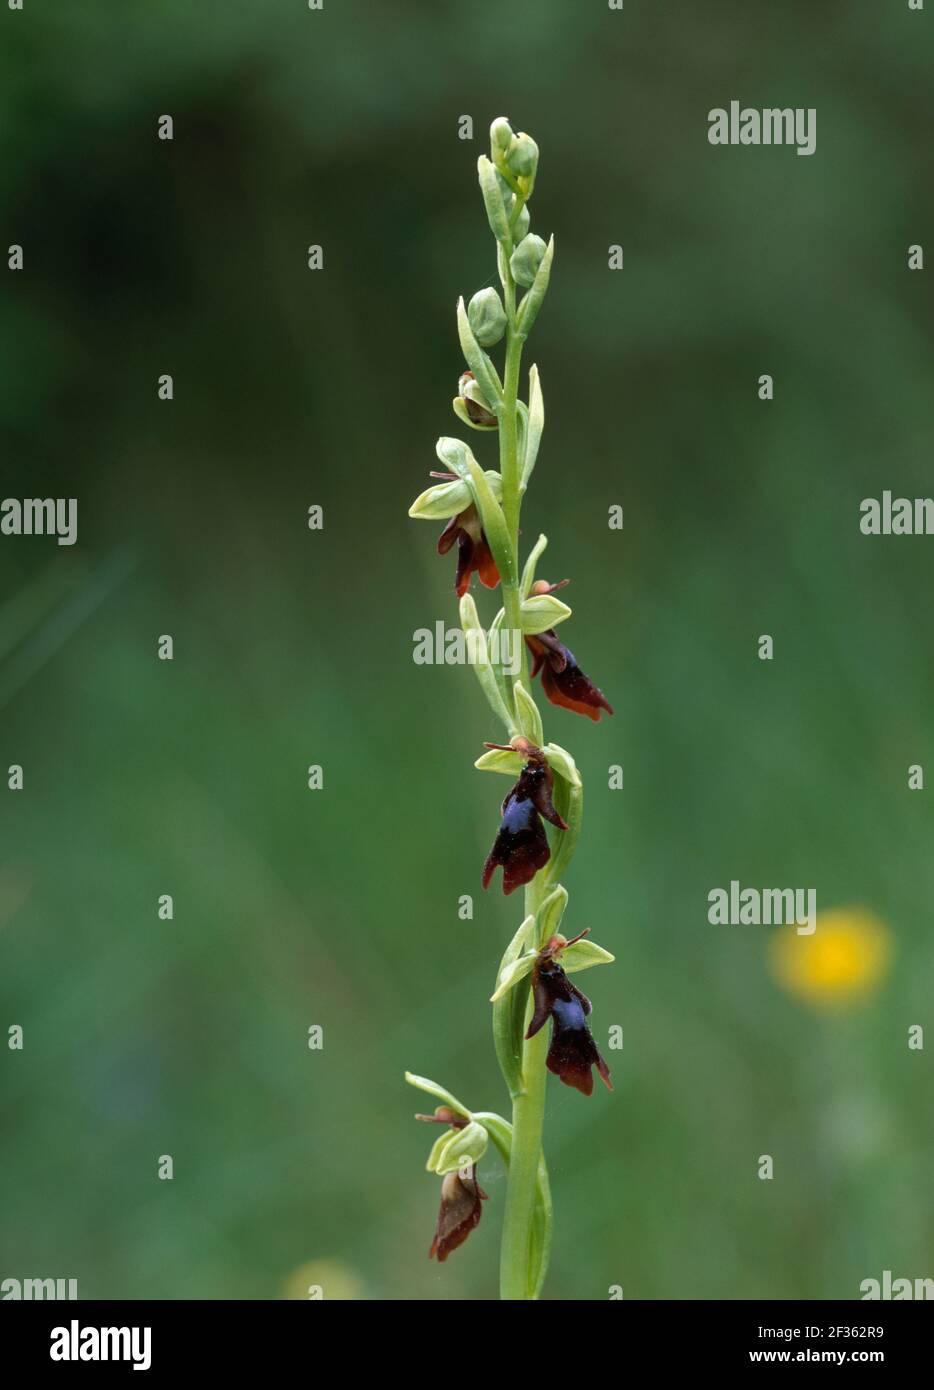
[840, 964]
[331, 1280]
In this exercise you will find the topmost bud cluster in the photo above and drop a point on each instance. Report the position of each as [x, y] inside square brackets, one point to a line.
[515, 156]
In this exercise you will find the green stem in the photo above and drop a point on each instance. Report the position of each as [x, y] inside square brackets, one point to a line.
[509, 462]
[518, 1280]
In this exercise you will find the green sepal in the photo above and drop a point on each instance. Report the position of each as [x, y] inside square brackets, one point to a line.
[482, 665]
[460, 410]
[437, 1149]
[477, 360]
[528, 573]
[533, 429]
[445, 500]
[499, 760]
[493, 200]
[583, 954]
[528, 715]
[532, 300]
[541, 612]
[461, 1146]
[431, 1088]
[561, 761]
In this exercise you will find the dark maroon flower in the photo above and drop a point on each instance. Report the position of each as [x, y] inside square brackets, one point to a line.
[459, 1213]
[573, 1051]
[521, 845]
[563, 681]
[473, 550]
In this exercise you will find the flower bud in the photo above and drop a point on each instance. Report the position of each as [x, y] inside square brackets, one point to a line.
[471, 405]
[501, 137]
[487, 317]
[522, 156]
[521, 229]
[526, 259]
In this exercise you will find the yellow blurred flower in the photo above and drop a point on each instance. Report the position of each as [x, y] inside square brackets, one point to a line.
[841, 963]
[331, 1280]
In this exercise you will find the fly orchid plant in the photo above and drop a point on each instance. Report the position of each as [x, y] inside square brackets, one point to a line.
[482, 510]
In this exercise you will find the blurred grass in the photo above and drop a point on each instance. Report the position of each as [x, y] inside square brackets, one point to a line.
[145, 1037]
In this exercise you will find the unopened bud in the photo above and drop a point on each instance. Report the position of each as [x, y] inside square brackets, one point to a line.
[486, 314]
[526, 259]
[522, 156]
[501, 137]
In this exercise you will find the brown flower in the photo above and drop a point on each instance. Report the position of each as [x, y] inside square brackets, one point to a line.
[563, 681]
[572, 1052]
[521, 845]
[473, 550]
[459, 1213]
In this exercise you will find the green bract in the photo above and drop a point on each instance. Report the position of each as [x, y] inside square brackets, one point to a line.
[493, 201]
[527, 712]
[551, 912]
[528, 309]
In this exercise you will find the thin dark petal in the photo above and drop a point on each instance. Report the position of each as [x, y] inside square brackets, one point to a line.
[459, 1213]
[485, 564]
[465, 563]
[535, 781]
[541, 998]
[547, 646]
[449, 535]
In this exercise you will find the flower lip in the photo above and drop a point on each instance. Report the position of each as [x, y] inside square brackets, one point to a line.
[473, 550]
[572, 1052]
[563, 681]
[459, 1213]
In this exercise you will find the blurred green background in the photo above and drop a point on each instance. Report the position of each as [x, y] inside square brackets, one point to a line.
[339, 907]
